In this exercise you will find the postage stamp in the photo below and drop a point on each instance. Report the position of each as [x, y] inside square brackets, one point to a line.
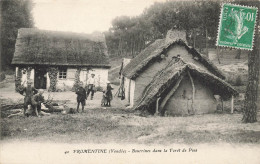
[237, 26]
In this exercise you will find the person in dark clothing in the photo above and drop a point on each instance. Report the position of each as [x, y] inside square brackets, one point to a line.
[81, 97]
[29, 92]
[109, 95]
[37, 101]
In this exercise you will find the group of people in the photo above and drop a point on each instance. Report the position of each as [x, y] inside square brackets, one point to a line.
[82, 94]
[33, 98]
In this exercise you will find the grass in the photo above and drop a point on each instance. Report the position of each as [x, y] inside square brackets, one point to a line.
[122, 126]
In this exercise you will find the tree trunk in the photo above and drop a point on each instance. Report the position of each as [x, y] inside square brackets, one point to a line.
[194, 38]
[250, 108]
[218, 55]
[134, 49]
[238, 54]
[120, 46]
[207, 51]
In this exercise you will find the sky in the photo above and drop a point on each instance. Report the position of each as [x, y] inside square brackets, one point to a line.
[84, 16]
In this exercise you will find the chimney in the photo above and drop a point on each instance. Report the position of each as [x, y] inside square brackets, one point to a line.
[175, 35]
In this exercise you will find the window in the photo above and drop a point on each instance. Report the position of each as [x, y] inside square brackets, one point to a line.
[62, 73]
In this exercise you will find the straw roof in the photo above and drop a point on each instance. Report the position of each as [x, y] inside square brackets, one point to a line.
[42, 47]
[161, 46]
[168, 77]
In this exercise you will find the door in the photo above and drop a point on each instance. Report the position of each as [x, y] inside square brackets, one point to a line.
[40, 79]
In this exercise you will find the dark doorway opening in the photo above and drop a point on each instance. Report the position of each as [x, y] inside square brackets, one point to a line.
[40, 78]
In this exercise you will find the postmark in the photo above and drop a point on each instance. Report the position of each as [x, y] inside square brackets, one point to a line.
[237, 26]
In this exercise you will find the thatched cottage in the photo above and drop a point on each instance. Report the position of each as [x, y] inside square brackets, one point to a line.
[59, 60]
[169, 76]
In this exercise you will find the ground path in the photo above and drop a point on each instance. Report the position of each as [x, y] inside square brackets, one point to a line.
[9, 96]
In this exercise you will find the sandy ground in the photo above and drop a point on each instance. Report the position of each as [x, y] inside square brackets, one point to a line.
[9, 96]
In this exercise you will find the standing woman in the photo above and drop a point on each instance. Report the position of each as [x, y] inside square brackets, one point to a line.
[109, 94]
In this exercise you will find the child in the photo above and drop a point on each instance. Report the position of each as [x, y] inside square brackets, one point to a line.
[81, 97]
[109, 95]
[104, 99]
[37, 101]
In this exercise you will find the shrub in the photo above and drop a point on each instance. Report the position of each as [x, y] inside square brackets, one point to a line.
[2, 76]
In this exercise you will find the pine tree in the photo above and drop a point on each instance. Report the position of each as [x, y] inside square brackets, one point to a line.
[250, 107]
[15, 14]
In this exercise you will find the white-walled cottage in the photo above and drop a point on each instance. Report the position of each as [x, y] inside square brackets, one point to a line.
[57, 61]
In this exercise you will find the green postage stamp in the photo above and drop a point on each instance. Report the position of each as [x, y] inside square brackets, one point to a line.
[237, 26]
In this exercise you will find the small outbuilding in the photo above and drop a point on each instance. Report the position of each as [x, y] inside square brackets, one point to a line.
[169, 76]
[57, 61]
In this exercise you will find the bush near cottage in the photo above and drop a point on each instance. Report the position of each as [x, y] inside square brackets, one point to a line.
[2, 76]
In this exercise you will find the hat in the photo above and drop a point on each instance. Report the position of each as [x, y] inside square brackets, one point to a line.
[29, 82]
[92, 74]
[41, 90]
[108, 82]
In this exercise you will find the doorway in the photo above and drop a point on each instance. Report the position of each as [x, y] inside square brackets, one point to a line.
[40, 78]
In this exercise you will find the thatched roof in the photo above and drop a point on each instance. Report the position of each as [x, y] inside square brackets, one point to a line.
[168, 77]
[161, 46]
[42, 47]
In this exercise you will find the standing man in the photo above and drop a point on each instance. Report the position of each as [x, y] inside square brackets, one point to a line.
[37, 101]
[29, 92]
[81, 98]
[91, 86]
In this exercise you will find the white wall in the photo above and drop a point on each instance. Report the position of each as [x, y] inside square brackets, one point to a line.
[24, 77]
[127, 88]
[101, 76]
[124, 62]
[66, 84]
[48, 81]
[132, 92]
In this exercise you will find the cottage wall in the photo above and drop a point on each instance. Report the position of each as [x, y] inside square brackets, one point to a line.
[67, 84]
[129, 86]
[181, 101]
[147, 75]
[101, 76]
[132, 91]
[127, 89]
[124, 63]
[24, 77]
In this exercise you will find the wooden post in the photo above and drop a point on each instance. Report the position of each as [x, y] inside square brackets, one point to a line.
[207, 51]
[16, 71]
[193, 92]
[157, 106]
[232, 104]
